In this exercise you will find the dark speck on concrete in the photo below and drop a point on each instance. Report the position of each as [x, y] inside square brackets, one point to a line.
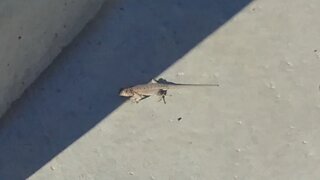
[180, 118]
[19, 37]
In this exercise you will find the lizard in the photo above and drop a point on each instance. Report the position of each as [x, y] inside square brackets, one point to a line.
[142, 91]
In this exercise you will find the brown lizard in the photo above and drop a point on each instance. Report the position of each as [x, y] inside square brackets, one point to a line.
[142, 91]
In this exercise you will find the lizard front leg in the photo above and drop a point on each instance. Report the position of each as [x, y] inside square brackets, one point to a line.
[136, 98]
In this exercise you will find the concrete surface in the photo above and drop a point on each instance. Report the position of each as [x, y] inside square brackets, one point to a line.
[32, 34]
[262, 123]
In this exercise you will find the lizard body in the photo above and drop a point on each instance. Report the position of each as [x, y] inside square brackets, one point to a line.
[142, 91]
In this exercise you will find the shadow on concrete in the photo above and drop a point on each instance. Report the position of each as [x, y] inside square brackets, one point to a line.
[129, 42]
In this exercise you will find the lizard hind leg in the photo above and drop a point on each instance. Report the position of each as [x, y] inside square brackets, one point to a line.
[162, 93]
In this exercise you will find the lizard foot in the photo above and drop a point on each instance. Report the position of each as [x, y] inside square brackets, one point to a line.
[162, 93]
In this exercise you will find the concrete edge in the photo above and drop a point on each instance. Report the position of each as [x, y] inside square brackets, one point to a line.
[33, 33]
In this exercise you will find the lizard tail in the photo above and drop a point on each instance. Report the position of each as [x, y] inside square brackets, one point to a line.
[196, 85]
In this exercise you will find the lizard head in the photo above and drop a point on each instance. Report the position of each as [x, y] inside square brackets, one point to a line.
[125, 92]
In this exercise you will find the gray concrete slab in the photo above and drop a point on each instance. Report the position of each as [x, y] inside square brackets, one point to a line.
[262, 123]
[32, 34]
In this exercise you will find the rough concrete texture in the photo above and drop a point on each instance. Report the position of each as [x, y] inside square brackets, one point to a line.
[262, 123]
[32, 33]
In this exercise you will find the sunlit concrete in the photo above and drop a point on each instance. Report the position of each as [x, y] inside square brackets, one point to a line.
[261, 123]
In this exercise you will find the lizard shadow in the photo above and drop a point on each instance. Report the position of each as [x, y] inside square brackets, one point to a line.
[128, 43]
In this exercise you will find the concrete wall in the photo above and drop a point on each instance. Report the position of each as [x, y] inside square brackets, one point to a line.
[32, 33]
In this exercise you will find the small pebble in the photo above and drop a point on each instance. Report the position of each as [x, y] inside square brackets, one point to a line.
[271, 85]
[180, 74]
[289, 64]
[305, 142]
[131, 173]
[52, 168]
[239, 122]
